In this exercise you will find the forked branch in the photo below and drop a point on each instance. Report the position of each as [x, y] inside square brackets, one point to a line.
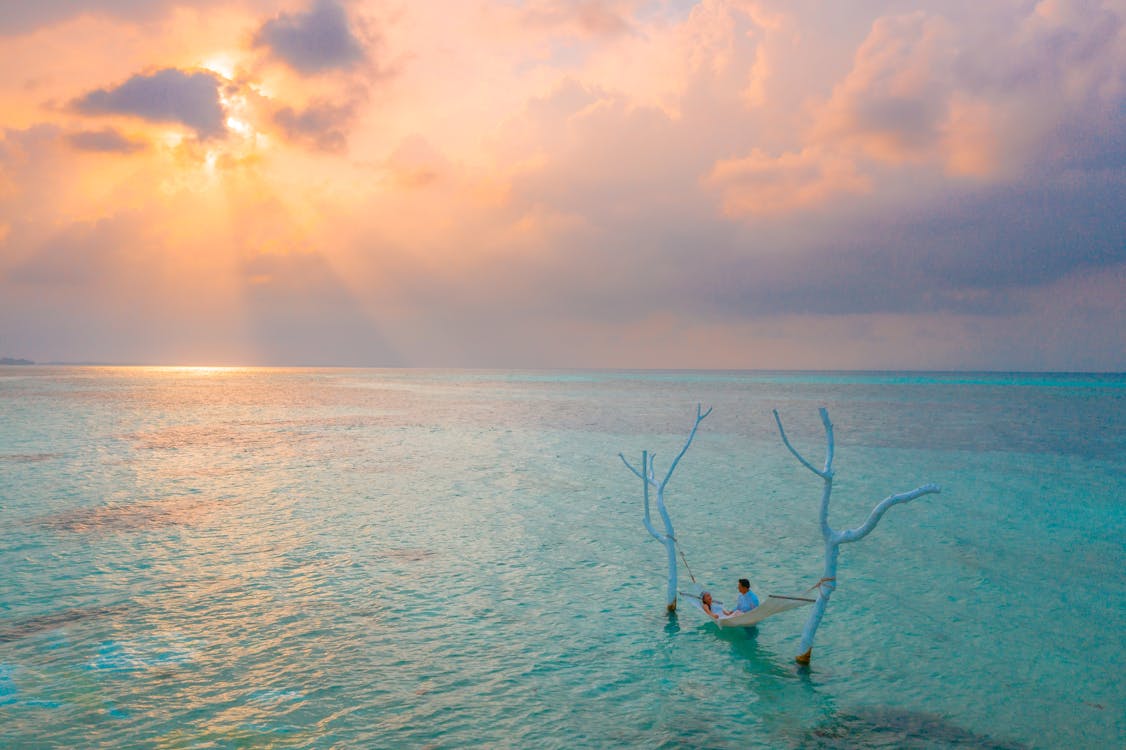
[700, 416]
[647, 475]
[825, 473]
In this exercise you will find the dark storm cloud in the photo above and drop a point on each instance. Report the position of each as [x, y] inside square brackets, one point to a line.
[316, 41]
[106, 140]
[321, 124]
[168, 95]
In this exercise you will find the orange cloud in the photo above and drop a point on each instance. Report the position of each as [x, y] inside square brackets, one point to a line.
[891, 105]
[763, 185]
[106, 140]
[585, 17]
[926, 96]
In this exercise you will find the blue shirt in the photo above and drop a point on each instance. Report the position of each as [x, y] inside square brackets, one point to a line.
[746, 602]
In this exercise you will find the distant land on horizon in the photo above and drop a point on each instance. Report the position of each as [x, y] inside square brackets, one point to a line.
[13, 361]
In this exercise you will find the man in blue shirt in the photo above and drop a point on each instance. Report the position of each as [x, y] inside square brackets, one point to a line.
[747, 599]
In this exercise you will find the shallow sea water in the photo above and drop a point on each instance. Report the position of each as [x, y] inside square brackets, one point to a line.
[194, 558]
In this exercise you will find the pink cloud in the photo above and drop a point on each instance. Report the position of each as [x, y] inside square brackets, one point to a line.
[892, 104]
[763, 185]
[584, 17]
[940, 91]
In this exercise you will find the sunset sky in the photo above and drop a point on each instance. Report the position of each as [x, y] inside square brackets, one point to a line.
[586, 183]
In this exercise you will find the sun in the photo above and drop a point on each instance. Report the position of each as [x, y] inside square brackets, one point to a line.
[235, 95]
[222, 63]
[243, 139]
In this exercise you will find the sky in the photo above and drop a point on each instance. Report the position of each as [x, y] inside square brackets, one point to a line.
[727, 184]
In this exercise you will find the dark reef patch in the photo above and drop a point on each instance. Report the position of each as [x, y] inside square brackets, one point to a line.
[133, 516]
[22, 628]
[27, 458]
[898, 728]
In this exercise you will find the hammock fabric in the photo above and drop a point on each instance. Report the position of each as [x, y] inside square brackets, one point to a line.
[771, 604]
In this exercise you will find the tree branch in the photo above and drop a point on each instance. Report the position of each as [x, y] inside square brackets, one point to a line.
[797, 455]
[828, 441]
[647, 460]
[852, 535]
[699, 418]
[629, 466]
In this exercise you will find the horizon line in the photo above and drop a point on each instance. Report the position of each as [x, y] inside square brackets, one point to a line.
[18, 362]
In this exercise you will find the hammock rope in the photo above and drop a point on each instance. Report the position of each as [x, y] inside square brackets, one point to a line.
[819, 584]
[682, 557]
[680, 550]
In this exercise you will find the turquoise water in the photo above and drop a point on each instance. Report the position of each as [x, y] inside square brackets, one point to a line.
[367, 558]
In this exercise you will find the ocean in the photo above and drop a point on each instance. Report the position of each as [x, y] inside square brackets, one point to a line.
[339, 558]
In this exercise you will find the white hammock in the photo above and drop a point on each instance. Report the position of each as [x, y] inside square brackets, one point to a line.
[772, 604]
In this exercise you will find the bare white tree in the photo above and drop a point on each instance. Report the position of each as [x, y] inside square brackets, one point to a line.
[834, 538]
[647, 475]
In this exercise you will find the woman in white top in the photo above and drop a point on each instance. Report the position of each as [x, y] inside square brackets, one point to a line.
[706, 603]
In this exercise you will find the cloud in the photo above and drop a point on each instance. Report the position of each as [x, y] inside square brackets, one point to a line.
[107, 140]
[22, 17]
[605, 220]
[415, 163]
[892, 104]
[947, 92]
[77, 255]
[37, 182]
[322, 124]
[763, 185]
[622, 182]
[191, 98]
[316, 41]
[585, 17]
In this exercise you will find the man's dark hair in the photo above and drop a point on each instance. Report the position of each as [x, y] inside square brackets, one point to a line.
[744, 582]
